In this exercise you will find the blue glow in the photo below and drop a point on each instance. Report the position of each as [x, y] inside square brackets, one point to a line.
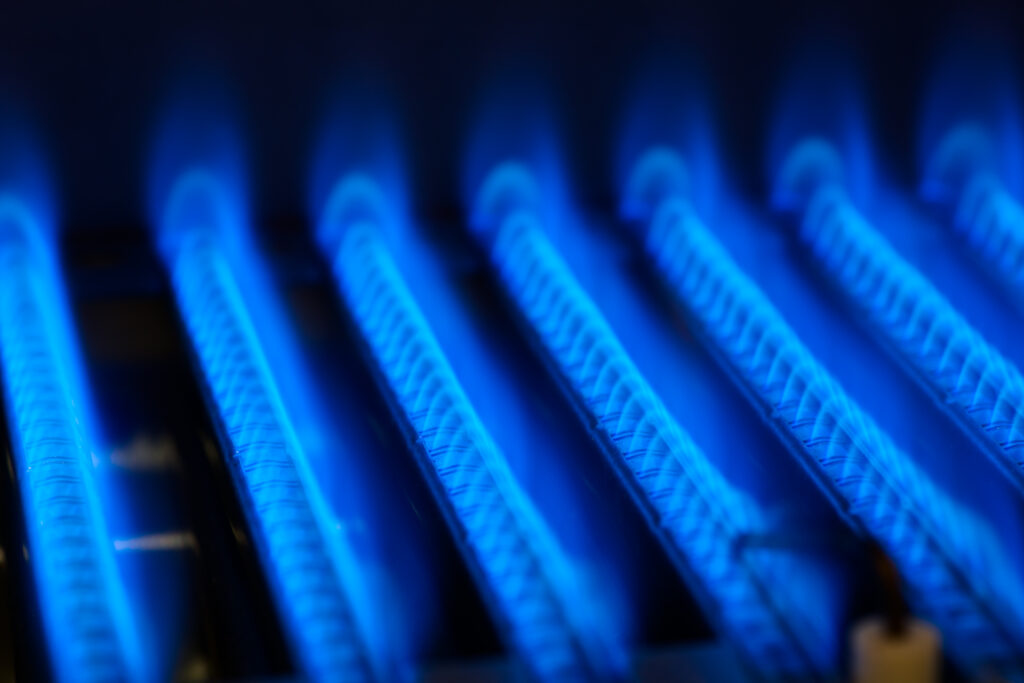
[812, 164]
[196, 132]
[514, 119]
[984, 211]
[822, 95]
[523, 570]
[981, 390]
[942, 549]
[599, 533]
[716, 413]
[971, 100]
[964, 176]
[964, 155]
[359, 131]
[700, 518]
[85, 616]
[666, 108]
[307, 564]
[383, 546]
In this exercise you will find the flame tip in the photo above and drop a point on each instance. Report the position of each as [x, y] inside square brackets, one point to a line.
[508, 186]
[355, 197]
[199, 199]
[660, 172]
[17, 220]
[811, 164]
[964, 151]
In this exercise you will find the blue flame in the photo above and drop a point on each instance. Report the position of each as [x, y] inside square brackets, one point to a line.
[23, 173]
[301, 554]
[580, 499]
[514, 120]
[973, 167]
[505, 538]
[365, 154]
[297, 471]
[666, 111]
[983, 391]
[971, 104]
[939, 545]
[700, 517]
[90, 630]
[593, 524]
[821, 98]
[965, 156]
[718, 416]
[359, 134]
[196, 135]
[964, 176]
[813, 164]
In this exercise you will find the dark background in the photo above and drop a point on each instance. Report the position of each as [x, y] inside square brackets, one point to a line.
[92, 76]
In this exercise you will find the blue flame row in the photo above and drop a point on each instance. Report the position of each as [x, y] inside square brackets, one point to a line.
[287, 516]
[83, 607]
[699, 517]
[992, 220]
[963, 176]
[524, 574]
[969, 378]
[937, 545]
